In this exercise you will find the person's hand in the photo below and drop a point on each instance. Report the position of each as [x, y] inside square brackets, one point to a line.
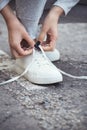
[21, 43]
[49, 29]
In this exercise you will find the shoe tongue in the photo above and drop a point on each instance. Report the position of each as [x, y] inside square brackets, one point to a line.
[39, 52]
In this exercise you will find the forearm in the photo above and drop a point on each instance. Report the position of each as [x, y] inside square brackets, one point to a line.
[56, 12]
[8, 15]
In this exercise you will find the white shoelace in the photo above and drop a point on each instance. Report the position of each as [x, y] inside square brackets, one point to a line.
[27, 68]
[64, 73]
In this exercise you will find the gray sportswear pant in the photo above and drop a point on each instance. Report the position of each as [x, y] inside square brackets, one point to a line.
[29, 14]
[30, 11]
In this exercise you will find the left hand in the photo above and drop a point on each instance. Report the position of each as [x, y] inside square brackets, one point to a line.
[49, 29]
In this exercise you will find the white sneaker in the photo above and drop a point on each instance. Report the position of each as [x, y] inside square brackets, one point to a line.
[53, 55]
[40, 70]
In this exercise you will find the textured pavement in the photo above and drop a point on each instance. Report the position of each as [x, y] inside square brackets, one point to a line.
[62, 106]
[52, 107]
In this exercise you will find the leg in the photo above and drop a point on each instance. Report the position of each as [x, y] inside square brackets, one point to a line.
[29, 13]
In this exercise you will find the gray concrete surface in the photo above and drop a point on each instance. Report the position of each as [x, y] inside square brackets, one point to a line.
[63, 106]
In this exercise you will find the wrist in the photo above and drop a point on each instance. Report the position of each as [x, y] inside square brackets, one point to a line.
[10, 18]
[8, 14]
[57, 11]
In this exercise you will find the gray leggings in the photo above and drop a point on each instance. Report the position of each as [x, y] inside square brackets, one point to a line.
[29, 13]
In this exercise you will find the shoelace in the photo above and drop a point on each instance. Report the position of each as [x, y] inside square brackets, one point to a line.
[40, 59]
[38, 46]
[64, 73]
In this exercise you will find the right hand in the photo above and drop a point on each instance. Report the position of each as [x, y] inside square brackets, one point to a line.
[17, 34]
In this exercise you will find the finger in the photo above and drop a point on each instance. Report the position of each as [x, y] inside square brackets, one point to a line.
[52, 44]
[41, 36]
[49, 46]
[21, 51]
[15, 54]
[29, 40]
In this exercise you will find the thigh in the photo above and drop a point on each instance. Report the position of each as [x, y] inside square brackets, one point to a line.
[31, 9]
